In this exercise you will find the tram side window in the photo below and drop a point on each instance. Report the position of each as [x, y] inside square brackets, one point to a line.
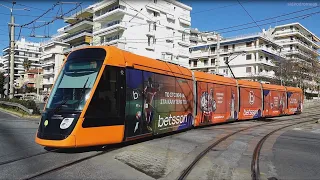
[104, 107]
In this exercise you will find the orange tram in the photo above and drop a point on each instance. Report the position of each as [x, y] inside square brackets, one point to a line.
[104, 95]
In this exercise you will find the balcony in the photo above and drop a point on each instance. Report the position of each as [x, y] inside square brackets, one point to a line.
[194, 38]
[292, 32]
[48, 73]
[48, 64]
[298, 51]
[113, 11]
[301, 43]
[195, 54]
[47, 82]
[77, 46]
[77, 35]
[184, 42]
[108, 28]
[81, 24]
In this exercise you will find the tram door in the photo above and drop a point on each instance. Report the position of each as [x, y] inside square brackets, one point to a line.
[136, 114]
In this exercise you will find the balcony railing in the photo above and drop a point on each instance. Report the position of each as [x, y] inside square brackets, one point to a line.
[77, 22]
[75, 34]
[296, 31]
[105, 11]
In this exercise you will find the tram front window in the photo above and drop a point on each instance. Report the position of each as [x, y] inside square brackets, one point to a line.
[74, 83]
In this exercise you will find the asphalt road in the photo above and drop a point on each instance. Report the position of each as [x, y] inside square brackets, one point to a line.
[293, 154]
[17, 137]
[296, 155]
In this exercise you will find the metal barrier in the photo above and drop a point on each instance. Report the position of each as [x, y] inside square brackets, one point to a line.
[29, 111]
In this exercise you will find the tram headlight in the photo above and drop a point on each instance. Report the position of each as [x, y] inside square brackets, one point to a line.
[66, 122]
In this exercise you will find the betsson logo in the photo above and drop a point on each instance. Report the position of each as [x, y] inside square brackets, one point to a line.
[171, 120]
[249, 112]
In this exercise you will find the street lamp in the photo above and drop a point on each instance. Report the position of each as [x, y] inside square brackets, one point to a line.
[11, 44]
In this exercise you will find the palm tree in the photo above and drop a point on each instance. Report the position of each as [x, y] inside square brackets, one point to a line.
[26, 64]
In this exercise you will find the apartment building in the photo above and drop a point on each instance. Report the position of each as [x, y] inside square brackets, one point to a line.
[78, 32]
[158, 29]
[26, 55]
[1, 64]
[197, 37]
[300, 46]
[52, 57]
[250, 57]
[31, 78]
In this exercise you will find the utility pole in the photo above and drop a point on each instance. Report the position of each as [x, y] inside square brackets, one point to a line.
[11, 54]
[38, 84]
[11, 49]
[218, 53]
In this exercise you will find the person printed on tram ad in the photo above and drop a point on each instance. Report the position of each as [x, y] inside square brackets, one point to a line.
[149, 92]
[207, 106]
[232, 112]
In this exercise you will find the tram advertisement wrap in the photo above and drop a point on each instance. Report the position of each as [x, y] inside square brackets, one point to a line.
[294, 103]
[157, 103]
[274, 102]
[217, 103]
[250, 103]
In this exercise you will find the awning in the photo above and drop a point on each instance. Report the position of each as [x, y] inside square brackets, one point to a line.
[170, 16]
[183, 21]
[275, 56]
[152, 8]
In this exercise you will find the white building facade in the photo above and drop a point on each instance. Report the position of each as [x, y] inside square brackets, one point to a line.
[157, 29]
[24, 51]
[249, 57]
[299, 45]
[52, 57]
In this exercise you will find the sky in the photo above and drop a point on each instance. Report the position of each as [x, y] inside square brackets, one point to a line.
[210, 15]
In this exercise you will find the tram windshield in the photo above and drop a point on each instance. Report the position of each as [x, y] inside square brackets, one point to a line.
[74, 83]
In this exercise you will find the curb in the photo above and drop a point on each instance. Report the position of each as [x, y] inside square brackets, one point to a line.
[16, 115]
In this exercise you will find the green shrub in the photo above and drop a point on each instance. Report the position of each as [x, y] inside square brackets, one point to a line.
[30, 104]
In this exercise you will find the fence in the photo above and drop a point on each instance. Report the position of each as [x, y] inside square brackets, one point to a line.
[29, 111]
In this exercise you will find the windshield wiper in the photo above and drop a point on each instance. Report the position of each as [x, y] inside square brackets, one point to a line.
[83, 91]
[58, 107]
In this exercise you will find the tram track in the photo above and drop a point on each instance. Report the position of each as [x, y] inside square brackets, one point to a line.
[255, 170]
[73, 162]
[189, 168]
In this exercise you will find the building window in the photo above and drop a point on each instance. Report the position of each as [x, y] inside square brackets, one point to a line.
[225, 71]
[155, 14]
[155, 1]
[154, 40]
[163, 55]
[212, 49]
[195, 63]
[154, 26]
[267, 58]
[261, 70]
[249, 44]
[205, 62]
[213, 62]
[149, 41]
[248, 57]
[225, 48]
[233, 46]
[226, 59]
[248, 69]
[189, 62]
[183, 36]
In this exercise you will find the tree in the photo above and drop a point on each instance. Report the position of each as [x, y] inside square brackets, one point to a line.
[2, 84]
[26, 64]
